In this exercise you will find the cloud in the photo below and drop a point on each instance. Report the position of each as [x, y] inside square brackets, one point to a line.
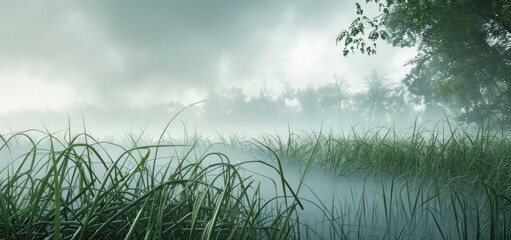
[119, 62]
[131, 51]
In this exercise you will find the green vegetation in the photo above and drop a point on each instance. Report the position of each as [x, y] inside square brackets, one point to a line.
[464, 51]
[79, 188]
[441, 183]
[442, 153]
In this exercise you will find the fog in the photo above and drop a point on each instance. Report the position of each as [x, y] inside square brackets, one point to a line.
[227, 111]
[264, 82]
[355, 203]
[125, 67]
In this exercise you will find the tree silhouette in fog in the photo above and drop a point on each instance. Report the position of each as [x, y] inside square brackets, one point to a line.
[309, 99]
[382, 103]
[333, 95]
[224, 104]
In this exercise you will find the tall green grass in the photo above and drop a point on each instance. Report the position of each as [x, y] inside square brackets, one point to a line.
[437, 183]
[81, 188]
[444, 182]
[440, 153]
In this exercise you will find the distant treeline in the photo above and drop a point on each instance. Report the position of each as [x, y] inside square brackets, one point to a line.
[382, 102]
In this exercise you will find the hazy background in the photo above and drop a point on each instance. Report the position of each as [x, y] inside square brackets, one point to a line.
[124, 66]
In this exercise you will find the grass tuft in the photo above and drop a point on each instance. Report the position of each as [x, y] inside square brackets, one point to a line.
[441, 183]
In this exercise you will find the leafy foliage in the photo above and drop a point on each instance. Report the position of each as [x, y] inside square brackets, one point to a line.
[464, 51]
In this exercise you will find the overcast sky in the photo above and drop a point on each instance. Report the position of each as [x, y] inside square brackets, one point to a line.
[56, 55]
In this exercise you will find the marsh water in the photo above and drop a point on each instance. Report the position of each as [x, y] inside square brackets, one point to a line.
[357, 203]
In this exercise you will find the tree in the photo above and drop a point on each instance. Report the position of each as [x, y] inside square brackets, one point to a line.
[383, 100]
[464, 51]
[224, 104]
[376, 97]
[309, 99]
[333, 95]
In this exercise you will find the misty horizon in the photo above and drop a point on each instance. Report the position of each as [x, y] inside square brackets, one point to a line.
[255, 119]
[106, 66]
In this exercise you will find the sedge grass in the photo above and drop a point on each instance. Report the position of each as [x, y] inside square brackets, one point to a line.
[76, 188]
[441, 153]
[436, 183]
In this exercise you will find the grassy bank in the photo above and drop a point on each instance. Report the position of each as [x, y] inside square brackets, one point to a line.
[440, 153]
[80, 188]
[441, 182]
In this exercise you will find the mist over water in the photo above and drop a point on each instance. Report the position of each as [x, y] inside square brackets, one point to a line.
[362, 203]
[216, 120]
[345, 201]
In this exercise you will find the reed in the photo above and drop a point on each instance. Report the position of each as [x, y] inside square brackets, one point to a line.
[442, 182]
[81, 188]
